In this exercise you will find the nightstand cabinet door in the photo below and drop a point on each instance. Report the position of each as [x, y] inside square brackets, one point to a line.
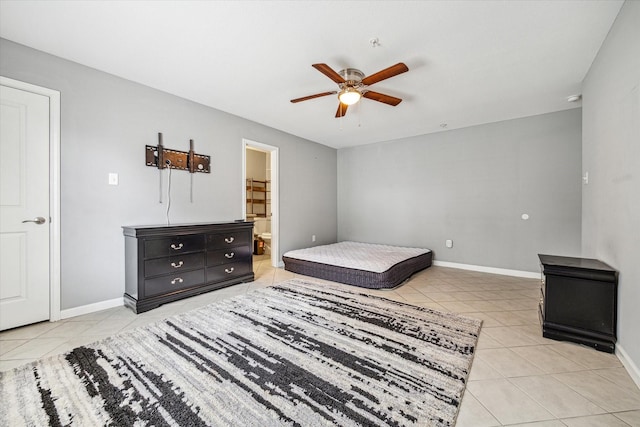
[580, 303]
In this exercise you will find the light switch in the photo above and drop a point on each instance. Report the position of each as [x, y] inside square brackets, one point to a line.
[113, 179]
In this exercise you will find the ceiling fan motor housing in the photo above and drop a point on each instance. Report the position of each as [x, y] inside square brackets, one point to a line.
[352, 76]
[354, 85]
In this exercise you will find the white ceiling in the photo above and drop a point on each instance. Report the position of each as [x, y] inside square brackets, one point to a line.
[470, 62]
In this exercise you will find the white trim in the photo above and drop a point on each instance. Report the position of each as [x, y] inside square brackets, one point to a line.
[275, 193]
[629, 365]
[54, 188]
[91, 308]
[493, 270]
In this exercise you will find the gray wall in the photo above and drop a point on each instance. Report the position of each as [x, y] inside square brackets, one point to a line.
[470, 185]
[105, 123]
[611, 155]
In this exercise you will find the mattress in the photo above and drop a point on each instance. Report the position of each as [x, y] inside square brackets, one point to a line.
[366, 265]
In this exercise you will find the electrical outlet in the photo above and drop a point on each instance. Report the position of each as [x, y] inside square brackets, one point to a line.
[448, 243]
[313, 238]
[113, 179]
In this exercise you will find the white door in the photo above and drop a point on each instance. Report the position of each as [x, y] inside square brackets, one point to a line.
[24, 208]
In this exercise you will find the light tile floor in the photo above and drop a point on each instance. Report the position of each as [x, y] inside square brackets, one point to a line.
[517, 378]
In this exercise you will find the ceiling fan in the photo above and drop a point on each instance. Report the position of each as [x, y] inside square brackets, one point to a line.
[354, 85]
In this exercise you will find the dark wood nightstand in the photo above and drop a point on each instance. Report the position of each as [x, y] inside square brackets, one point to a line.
[579, 301]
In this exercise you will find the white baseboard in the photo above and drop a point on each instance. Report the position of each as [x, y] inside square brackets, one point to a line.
[492, 270]
[91, 308]
[628, 364]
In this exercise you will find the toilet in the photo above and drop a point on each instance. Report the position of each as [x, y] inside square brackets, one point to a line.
[262, 229]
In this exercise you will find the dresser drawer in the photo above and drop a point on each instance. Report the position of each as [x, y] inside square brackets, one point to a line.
[228, 271]
[154, 248]
[226, 256]
[173, 264]
[230, 239]
[173, 282]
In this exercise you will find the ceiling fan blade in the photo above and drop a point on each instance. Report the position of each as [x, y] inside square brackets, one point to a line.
[394, 70]
[342, 110]
[317, 95]
[328, 71]
[381, 97]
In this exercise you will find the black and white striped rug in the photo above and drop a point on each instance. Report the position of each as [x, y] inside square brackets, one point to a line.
[297, 354]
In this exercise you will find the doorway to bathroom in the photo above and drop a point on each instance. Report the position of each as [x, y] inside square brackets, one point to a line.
[260, 195]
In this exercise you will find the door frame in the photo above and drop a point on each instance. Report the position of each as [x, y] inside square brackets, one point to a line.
[275, 193]
[54, 188]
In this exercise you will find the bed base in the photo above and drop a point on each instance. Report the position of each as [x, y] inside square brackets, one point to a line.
[362, 278]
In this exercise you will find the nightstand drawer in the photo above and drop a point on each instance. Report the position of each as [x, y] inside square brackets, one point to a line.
[154, 248]
[173, 264]
[173, 282]
[226, 256]
[228, 271]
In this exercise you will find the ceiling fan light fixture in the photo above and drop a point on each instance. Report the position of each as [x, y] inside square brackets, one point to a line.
[349, 96]
[353, 85]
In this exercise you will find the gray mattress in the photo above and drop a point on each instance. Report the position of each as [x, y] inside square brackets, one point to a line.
[360, 264]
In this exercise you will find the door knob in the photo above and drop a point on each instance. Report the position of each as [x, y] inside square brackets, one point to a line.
[37, 220]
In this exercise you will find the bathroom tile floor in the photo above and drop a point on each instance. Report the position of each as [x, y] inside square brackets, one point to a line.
[517, 378]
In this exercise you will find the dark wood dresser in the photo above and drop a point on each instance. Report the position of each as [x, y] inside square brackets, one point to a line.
[168, 263]
[579, 301]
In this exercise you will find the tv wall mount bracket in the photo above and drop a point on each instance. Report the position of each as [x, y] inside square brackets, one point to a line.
[162, 158]
[166, 158]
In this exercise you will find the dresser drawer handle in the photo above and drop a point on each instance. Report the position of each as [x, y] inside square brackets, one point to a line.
[229, 239]
[178, 247]
[229, 270]
[229, 255]
[178, 265]
[177, 280]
